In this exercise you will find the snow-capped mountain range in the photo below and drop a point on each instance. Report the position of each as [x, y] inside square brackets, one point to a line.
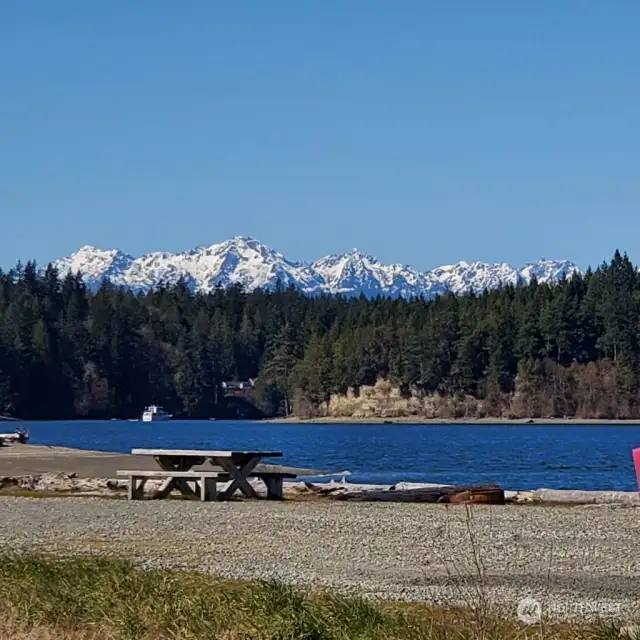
[245, 261]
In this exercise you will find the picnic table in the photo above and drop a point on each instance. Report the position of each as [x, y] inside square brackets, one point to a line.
[176, 467]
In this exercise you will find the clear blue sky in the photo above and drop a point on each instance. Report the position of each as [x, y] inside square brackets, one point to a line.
[419, 131]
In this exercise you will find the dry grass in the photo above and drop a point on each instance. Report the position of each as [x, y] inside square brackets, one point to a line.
[42, 598]
[13, 630]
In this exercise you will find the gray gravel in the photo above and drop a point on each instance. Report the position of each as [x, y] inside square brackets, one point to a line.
[579, 562]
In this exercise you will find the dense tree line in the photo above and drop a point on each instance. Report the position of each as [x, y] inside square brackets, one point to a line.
[571, 348]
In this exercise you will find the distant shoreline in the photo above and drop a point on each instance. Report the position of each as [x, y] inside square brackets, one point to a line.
[403, 420]
[416, 420]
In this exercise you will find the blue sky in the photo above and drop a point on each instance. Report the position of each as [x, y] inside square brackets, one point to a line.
[421, 132]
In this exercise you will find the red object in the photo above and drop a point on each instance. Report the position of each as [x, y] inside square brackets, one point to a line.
[636, 462]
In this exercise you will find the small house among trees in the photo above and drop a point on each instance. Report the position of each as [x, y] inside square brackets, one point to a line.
[234, 385]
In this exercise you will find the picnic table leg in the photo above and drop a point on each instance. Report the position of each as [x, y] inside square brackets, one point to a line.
[135, 489]
[170, 464]
[131, 489]
[238, 476]
[207, 489]
[275, 488]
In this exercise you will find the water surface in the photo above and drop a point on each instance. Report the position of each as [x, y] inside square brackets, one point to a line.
[515, 457]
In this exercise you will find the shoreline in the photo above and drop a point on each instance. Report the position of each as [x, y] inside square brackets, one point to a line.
[374, 420]
[38, 468]
[417, 420]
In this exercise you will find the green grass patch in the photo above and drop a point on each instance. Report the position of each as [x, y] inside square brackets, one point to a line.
[98, 598]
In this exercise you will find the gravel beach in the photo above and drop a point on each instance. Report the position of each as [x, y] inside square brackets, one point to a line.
[579, 562]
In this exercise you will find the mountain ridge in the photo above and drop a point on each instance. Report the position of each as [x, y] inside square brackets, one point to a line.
[245, 261]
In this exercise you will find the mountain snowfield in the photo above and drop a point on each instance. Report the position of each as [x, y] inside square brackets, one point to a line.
[248, 262]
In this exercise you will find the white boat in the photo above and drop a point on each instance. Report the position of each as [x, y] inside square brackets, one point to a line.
[154, 413]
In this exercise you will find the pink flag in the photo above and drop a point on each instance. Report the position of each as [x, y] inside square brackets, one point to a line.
[636, 462]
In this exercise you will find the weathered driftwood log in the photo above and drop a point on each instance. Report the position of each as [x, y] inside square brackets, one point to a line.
[474, 494]
[575, 496]
[9, 437]
[19, 436]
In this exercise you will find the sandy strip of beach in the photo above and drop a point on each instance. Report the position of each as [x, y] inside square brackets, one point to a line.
[29, 460]
[580, 562]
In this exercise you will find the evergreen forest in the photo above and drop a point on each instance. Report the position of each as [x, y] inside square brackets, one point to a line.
[570, 349]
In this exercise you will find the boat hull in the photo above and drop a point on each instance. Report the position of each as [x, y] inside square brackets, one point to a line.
[155, 418]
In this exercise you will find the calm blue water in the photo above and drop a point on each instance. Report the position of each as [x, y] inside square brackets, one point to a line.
[522, 457]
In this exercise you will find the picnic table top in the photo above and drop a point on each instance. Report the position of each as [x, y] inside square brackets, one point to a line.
[199, 453]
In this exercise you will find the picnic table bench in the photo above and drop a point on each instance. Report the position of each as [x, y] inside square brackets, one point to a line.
[176, 468]
[205, 482]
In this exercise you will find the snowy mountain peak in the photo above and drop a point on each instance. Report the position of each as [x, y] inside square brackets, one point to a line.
[245, 261]
[96, 264]
[548, 270]
[241, 243]
[475, 276]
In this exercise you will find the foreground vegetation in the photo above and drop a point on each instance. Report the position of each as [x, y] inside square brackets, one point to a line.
[571, 349]
[82, 598]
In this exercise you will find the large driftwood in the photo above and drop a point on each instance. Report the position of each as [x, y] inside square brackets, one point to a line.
[10, 437]
[19, 436]
[574, 496]
[460, 494]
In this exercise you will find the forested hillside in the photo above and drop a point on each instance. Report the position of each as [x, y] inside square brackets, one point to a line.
[571, 349]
